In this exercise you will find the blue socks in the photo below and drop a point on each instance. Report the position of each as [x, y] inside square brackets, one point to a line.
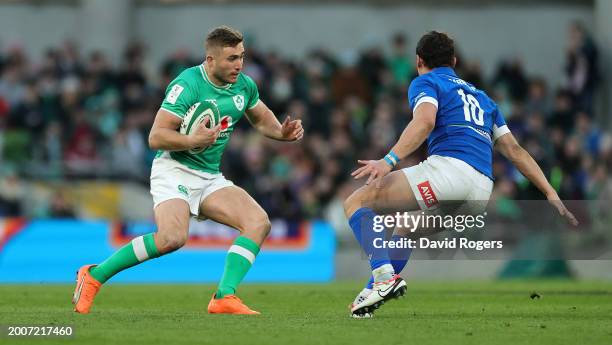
[399, 259]
[362, 224]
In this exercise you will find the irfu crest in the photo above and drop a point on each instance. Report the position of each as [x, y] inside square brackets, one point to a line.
[239, 102]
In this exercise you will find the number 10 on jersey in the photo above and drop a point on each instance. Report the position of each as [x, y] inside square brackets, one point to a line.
[471, 108]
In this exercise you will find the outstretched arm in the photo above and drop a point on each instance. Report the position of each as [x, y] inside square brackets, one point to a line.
[423, 122]
[522, 160]
[263, 119]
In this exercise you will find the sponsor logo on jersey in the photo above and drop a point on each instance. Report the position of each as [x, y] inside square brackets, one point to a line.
[226, 123]
[427, 193]
[213, 101]
[481, 132]
[477, 130]
[239, 102]
[174, 93]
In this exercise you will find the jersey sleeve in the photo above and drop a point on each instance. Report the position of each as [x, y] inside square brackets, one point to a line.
[422, 90]
[499, 124]
[179, 97]
[252, 91]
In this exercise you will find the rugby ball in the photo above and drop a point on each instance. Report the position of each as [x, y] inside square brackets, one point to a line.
[196, 115]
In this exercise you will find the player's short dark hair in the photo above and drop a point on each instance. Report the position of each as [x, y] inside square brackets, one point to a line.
[436, 49]
[223, 36]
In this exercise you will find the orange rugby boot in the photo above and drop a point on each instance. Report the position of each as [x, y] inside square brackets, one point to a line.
[86, 289]
[230, 304]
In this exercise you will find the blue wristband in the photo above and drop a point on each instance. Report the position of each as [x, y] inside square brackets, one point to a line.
[394, 156]
[392, 159]
[389, 161]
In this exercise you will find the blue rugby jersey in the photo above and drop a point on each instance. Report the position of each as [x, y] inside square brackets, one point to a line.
[467, 120]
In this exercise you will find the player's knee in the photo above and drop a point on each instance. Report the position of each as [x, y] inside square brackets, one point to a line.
[355, 201]
[259, 225]
[171, 241]
[263, 225]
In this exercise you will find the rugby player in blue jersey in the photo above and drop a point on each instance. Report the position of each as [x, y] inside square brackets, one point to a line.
[462, 126]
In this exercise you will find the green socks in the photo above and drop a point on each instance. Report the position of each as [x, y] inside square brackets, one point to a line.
[140, 249]
[239, 259]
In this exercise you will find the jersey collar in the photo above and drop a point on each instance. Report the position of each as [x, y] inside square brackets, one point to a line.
[444, 70]
[205, 76]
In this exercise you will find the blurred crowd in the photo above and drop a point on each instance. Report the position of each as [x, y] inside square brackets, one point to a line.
[69, 116]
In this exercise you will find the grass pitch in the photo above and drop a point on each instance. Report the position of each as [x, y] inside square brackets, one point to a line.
[567, 312]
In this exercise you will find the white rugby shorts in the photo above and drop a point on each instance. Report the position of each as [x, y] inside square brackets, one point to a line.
[442, 180]
[173, 180]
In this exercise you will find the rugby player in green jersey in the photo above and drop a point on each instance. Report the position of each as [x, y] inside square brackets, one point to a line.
[185, 177]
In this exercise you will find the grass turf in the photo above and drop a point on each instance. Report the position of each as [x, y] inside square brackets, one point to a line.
[568, 312]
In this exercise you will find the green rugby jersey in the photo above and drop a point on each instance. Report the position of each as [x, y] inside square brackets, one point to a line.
[193, 86]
